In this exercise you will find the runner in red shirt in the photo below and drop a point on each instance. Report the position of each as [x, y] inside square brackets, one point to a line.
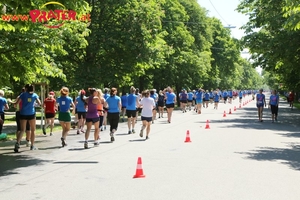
[291, 99]
[50, 109]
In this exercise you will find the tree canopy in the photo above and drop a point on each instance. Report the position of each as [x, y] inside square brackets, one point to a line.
[146, 43]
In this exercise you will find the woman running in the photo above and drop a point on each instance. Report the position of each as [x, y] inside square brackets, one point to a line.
[27, 113]
[206, 99]
[114, 105]
[100, 108]
[170, 102]
[64, 116]
[216, 100]
[105, 95]
[50, 109]
[274, 101]
[260, 102]
[190, 99]
[199, 100]
[161, 104]
[124, 105]
[92, 117]
[291, 99]
[81, 106]
[3, 106]
[18, 108]
[132, 104]
[154, 97]
[147, 104]
[183, 100]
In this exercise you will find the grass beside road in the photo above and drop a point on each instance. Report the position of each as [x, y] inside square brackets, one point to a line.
[38, 131]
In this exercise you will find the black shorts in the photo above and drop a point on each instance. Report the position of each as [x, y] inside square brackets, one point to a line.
[241, 97]
[160, 104]
[18, 122]
[123, 107]
[81, 115]
[139, 110]
[94, 120]
[27, 117]
[50, 115]
[190, 101]
[183, 101]
[131, 113]
[172, 105]
[274, 109]
[206, 100]
[148, 119]
[225, 98]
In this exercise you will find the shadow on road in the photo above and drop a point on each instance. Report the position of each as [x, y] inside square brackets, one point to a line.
[11, 161]
[287, 156]
[288, 120]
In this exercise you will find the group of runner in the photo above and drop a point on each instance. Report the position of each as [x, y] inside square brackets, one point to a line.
[97, 108]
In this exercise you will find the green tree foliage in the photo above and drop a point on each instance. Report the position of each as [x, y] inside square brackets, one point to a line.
[274, 48]
[31, 52]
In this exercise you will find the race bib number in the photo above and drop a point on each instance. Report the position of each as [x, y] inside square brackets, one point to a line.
[259, 102]
[29, 100]
[63, 103]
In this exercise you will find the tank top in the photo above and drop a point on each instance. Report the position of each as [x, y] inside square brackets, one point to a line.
[100, 109]
[92, 109]
[184, 96]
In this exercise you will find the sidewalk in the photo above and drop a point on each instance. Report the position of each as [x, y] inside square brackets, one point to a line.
[238, 158]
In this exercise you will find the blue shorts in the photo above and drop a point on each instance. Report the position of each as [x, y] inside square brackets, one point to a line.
[259, 105]
[198, 101]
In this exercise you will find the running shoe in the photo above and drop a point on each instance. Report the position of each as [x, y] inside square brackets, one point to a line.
[17, 147]
[86, 146]
[129, 132]
[28, 143]
[78, 132]
[63, 142]
[112, 138]
[44, 130]
[51, 134]
[141, 133]
[96, 144]
[104, 127]
[147, 137]
[82, 131]
[133, 131]
[33, 148]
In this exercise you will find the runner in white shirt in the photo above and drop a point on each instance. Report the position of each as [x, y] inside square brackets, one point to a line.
[148, 104]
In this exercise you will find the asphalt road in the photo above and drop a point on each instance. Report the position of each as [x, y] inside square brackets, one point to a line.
[238, 158]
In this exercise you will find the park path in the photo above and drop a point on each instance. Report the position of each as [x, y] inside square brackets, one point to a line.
[237, 158]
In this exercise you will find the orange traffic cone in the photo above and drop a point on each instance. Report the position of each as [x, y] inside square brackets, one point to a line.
[234, 108]
[230, 111]
[187, 139]
[224, 115]
[207, 125]
[139, 170]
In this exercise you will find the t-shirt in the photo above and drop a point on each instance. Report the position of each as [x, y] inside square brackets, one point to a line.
[3, 102]
[206, 96]
[170, 97]
[28, 101]
[260, 98]
[113, 104]
[184, 96]
[64, 103]
[131, 102]
[274, 100]
[124, 100]
[199, 95]
[148, 104]
[216, 98]
[80, 106]
[49, 105]
[161, 98]
[190, 96]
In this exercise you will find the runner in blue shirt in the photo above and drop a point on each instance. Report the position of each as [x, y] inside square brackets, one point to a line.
[199, 100]
[206, 99]
[260, 102]
[190, 99]
[216, 100]
[124, 104]
[274, 101]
